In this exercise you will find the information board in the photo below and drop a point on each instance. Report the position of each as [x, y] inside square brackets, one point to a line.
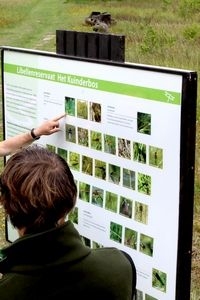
[129, 138]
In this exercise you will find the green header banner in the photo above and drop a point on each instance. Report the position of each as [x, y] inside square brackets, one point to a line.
[101, 85]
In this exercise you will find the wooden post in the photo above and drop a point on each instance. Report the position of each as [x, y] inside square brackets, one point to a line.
[91, 45]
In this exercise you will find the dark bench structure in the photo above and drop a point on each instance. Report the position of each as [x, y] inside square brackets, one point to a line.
[92, 45]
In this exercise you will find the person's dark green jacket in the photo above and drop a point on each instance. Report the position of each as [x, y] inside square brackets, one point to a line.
[56, 265]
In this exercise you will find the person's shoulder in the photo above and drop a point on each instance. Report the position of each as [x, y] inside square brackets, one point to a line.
[109, 251]
[112, 256]
[118, 269]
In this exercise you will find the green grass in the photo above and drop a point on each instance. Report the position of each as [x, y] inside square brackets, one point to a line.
[164, 33]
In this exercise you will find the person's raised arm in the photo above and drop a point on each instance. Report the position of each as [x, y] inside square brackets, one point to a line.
[14, 143]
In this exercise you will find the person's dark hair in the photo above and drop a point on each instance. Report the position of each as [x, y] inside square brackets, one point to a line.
[37, 189]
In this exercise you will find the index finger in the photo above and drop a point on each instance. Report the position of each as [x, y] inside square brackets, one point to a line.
[59, 117]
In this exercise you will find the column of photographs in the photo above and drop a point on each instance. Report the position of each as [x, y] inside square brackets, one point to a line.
[127, 178]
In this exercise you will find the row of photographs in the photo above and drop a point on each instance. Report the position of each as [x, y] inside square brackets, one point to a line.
[90, 110]
[105, 171]
[124, 236]
[133, 150]
[113, 202]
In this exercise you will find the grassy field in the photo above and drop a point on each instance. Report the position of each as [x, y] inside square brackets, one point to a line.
[158, 32]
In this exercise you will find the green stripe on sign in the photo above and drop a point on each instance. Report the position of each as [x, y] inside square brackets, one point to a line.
[101, 85]
[140, 92]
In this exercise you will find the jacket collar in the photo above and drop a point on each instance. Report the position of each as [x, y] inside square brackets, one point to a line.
[52, 247]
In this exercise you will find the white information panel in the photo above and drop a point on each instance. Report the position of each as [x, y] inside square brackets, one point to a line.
[122, 140]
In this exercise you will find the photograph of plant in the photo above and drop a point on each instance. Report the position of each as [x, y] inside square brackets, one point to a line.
[82, 109]
[100, 169]
[95, 112]
[74, 161]
[129, 179]
[144, 123]
[156, 157]
[86, 241]
[159, 280]
[146, 244]
[111, 202]
[96, 140]
[144, 184]
[83, 137]
[131, 237]
[139, 295]
[125, 207]
[87, 165]
[63, 153]
[114, 173]
[70, 133]
[70, 106]
[73, 215]
[109, 144]
[96, 245]
[84, 191]
[141, 212]
[51, 148]
[139, 152]
[148, 297]
[97, 196]
[116, 232]
[124, 148]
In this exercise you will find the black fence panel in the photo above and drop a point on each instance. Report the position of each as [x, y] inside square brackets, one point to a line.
[91, 45]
